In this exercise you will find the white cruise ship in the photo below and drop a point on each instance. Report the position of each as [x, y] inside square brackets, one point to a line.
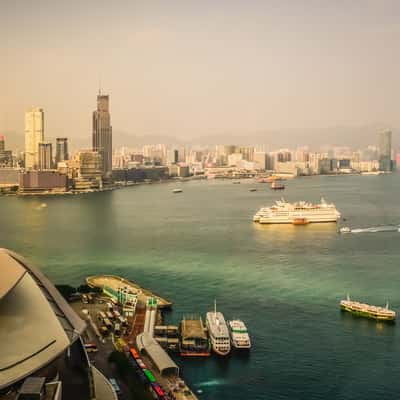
[218, 331]
[299, 213]
[240, 338]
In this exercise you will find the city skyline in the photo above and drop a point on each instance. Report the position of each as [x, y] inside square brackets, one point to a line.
[170, 77]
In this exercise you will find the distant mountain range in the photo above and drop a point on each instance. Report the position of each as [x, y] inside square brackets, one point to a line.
[354, 137]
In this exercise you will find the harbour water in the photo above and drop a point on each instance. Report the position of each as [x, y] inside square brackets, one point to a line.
[285, 282]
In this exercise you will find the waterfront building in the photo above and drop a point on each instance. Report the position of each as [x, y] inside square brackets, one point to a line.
[385, 151]
[234, 159]
[247, 152]
[102, 134]
[9, 177]
[182, 154]
[260, 160]
[42, 353]
[61, 149]
[140, 174]
[90, 170]
[172, 156]
[124, 296]
[45, 155]
[183, 171]
[292, 168]
[34, 134]
[33, 181]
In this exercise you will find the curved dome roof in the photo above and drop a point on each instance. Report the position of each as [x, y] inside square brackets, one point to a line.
[36, 324]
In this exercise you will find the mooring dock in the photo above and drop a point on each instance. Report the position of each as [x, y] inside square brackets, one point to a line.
[115, 283]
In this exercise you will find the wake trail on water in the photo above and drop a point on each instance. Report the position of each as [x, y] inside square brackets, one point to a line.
[373, 229]
[212, 382]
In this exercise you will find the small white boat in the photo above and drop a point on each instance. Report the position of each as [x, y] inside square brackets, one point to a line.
[177, 191]
[345, 229]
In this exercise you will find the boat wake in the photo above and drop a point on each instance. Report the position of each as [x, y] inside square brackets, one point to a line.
[212, 382]
[372, 229]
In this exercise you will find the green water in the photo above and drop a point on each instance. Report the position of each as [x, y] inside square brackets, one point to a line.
[285, 282]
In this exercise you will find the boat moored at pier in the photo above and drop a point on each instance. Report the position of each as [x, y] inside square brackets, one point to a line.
[218, 332]
[367, 310]
[240, 338]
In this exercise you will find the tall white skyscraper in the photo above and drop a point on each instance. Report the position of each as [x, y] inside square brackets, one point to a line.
[34, 134]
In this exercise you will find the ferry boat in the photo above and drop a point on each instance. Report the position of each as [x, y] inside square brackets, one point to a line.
[277, 185]
[240, 338]
[299, 213]
[194, 340]
[367, 310]
[218, 332]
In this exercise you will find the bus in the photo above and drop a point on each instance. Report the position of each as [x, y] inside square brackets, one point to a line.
[157, 390]
[117, 330]
[110, 315]
[91, 347]
[102, 315]
[104, 330]
[115, 385]
[107, 323]
[134, 353]
[149, 375]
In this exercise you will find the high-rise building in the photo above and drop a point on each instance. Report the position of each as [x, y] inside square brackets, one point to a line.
[45, 156]
[6, 159]
[102, 133]
[385, 151]
[61, 149]
[172, 156]
[34, 134]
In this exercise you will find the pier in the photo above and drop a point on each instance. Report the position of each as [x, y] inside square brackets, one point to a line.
[115, 283]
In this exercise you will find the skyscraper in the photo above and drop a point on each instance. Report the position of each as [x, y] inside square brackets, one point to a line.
[102, 133]
[385, 151]
[2, 143]
[61, 149]
[34, 134]
[45, 156]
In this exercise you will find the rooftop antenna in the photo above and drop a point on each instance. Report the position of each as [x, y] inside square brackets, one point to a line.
[99, 85]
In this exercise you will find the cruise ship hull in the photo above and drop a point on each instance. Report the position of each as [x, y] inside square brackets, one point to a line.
[291, 220]
[366, 314]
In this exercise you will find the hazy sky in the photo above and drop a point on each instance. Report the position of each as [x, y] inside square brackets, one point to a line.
[190, 68]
